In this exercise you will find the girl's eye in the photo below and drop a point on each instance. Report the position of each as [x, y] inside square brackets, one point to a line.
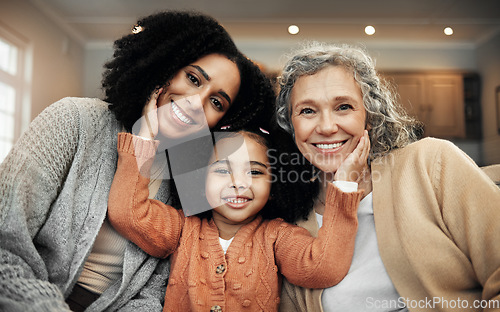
[256, 172]
[222, 171]
[193, 79]
[217, 104]
[345, 107]
[306, 111]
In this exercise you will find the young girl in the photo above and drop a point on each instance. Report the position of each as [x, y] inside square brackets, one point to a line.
[229, 261]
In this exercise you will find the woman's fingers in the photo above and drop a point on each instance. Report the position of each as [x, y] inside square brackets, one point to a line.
[153, 101]
[149, 122]
[364, 156]
[353, 166]
[362, 149]
[366, 147]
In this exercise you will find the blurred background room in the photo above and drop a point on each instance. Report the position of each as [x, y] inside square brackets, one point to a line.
[443, 56]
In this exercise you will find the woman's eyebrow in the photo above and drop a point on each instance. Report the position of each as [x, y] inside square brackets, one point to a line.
[303, 102]
[339, 98]
[207, 77]
[202, 72]
[224, 95]
[344, 98]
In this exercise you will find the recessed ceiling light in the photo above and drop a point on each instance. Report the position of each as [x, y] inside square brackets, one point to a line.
[369, 30]
[293, 29]
[448, 31]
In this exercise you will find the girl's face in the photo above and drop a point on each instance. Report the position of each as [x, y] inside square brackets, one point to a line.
[238, 182]
[198, 96]
[328, 116]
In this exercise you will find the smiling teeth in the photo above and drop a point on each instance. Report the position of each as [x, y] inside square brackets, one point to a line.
[236, 200]
[181, 116]
[329, 146]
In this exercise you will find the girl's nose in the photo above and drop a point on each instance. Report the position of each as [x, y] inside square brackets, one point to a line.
[240, 182]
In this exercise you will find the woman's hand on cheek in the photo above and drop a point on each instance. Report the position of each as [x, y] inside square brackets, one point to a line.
[149, 122]
[355, 164]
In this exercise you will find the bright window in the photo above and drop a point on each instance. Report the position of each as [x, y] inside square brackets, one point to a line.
[8, 57]
[7, 118]
[14, 99]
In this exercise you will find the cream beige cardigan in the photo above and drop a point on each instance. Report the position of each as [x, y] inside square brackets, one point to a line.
[437, 219]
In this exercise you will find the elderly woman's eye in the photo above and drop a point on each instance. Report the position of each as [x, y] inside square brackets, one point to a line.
[345, 106]
[306, 111]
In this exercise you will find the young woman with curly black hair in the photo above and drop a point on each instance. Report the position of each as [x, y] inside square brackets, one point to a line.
[166, 42]
[56, 245]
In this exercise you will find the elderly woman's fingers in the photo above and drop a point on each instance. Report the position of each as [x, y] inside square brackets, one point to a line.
[355, 164]
[366, 147]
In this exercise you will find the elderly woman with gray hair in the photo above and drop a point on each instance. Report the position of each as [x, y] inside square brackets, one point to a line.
[429, 221]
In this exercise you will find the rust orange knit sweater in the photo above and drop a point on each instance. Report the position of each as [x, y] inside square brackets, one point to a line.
[248, 276]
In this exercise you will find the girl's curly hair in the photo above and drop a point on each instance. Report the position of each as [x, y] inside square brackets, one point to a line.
[293, 185]
[162, 44]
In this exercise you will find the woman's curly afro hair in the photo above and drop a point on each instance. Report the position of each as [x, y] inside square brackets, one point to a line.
[167, 42]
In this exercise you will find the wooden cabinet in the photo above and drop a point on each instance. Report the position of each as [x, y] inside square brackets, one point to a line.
[437, 100]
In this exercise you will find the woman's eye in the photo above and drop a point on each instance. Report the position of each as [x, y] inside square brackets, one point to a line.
[306, 111]
[345, 107]
[193, 79]
[217, 104]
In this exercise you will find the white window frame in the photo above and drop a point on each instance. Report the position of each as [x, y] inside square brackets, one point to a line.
[20, 81]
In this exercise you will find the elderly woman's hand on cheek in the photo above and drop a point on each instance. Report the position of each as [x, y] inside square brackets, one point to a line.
[354, 166]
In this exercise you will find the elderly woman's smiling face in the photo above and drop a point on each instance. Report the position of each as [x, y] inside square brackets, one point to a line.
[328, 116]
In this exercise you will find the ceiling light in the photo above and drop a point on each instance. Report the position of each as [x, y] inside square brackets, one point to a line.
[293, 29]
[448, 31]
[369, 30]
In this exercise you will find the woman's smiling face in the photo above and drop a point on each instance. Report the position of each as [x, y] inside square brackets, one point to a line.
[198, 96]
[328, 116]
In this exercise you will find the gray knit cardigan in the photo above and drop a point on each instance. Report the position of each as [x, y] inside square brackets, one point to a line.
[54, 187]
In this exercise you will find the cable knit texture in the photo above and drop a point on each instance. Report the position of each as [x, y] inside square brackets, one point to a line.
[247, 276]
[437, 223]
[54, 187]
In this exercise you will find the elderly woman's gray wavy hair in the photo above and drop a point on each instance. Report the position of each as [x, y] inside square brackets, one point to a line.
[389, 126]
